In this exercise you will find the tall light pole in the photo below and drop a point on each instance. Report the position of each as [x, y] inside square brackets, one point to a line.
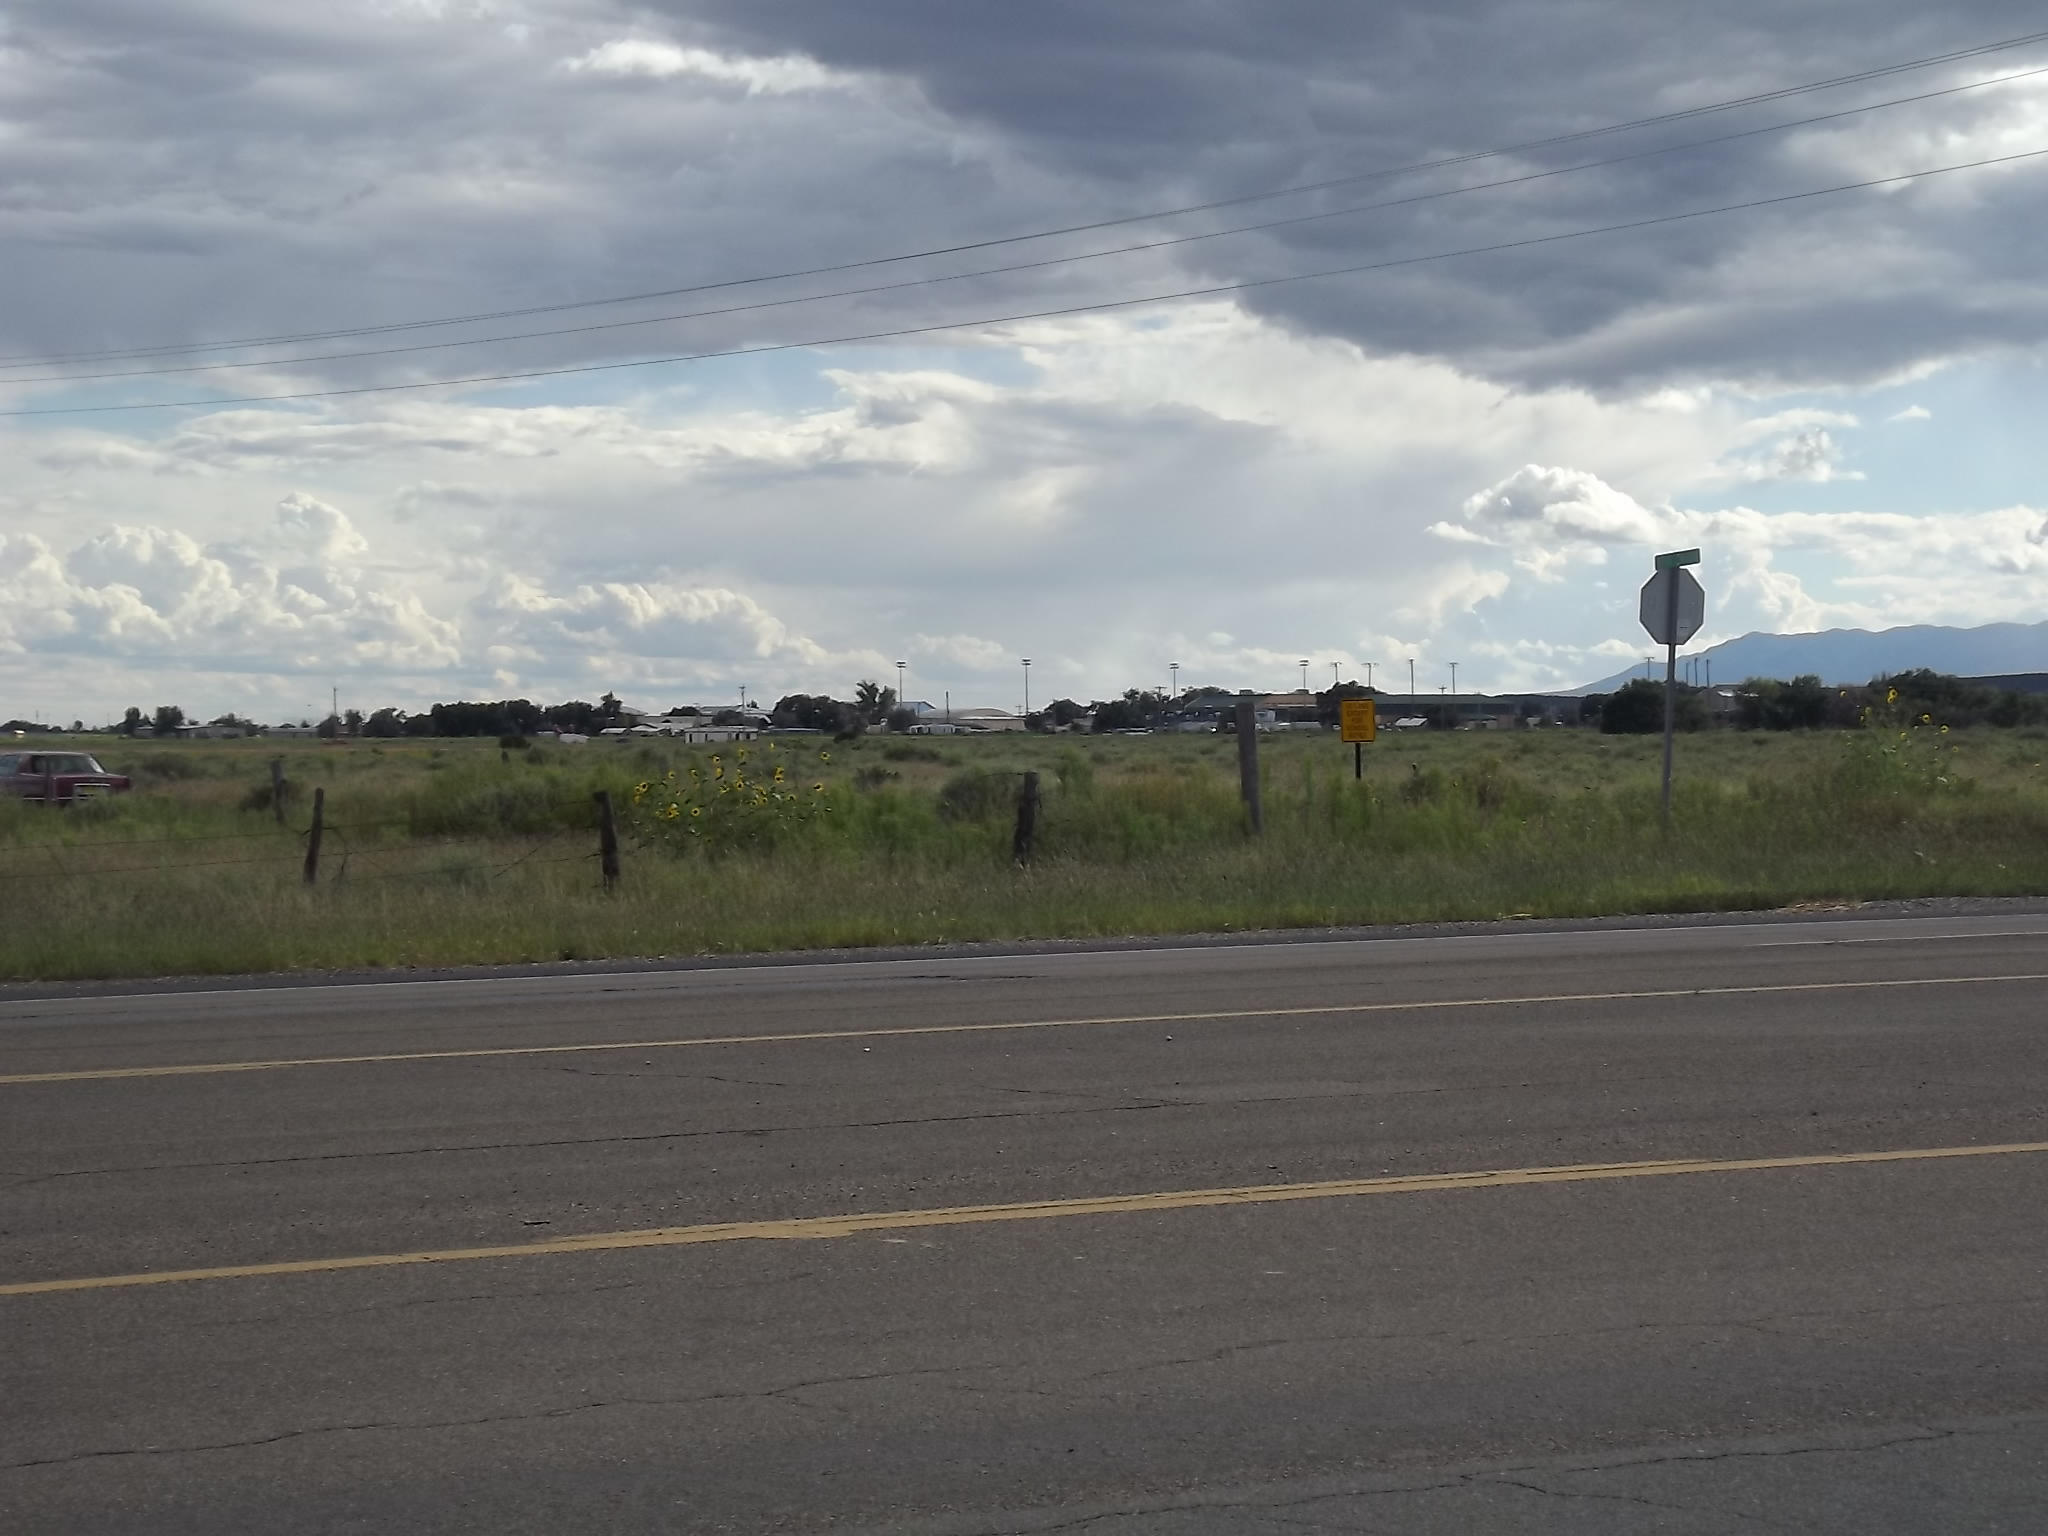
[1333, 674]
[743, 695]
[1368, 678]
[1454, 693]
[1411, 679]
[1304, 674]
[901, 702]
[1174, 668]
[1027, 685]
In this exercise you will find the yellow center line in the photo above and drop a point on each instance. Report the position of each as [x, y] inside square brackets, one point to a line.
[882, 1032]
[812, 1228]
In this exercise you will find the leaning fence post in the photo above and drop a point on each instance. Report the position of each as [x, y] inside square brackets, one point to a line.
[1248, 758]
[277, 788]
[607, 840]
[313, 835]
[1027, 819]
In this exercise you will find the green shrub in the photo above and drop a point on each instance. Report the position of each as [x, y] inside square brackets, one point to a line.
[977, 794]
[718, 804]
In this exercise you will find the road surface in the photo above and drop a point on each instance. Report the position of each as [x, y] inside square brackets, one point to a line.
[1686, 1229]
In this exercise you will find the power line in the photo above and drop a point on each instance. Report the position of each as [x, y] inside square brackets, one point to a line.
[1443, 162]
[898, 333]
[1037, 265]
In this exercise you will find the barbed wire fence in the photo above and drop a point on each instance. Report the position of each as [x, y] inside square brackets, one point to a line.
[332, 853]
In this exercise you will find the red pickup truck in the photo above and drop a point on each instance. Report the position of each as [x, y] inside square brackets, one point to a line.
[57, 778]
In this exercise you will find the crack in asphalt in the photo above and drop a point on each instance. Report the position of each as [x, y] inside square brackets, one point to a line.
[1508, 1477]
[596, 1141]
[1502, 1480]
[782, 1394]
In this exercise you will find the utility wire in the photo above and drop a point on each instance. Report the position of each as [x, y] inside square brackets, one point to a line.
[898, 333]
[1031, 266]
[1441, 163]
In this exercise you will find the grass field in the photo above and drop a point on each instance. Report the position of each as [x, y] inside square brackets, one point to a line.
[447, 852]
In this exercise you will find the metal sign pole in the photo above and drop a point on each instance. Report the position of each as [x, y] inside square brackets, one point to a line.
[1670, 705]
[1672, 614]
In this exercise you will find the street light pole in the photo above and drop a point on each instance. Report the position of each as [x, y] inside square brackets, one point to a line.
[1454, 694]
[900, 701]
[1304, 674]
[1368, 678]
[1027, 686]
[1411, 682]
[1174, 668]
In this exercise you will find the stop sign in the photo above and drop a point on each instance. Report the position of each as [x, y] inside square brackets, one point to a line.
[1674, 607]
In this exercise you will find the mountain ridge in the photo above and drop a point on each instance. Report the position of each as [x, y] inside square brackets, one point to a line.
[1843, 656]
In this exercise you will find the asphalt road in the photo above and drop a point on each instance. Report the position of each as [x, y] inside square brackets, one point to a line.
[1675, 1229]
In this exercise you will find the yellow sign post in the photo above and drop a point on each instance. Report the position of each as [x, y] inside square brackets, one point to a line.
[1358, 722]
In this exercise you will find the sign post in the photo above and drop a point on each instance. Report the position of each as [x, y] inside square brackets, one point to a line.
[1358, 723]
[1674, 606]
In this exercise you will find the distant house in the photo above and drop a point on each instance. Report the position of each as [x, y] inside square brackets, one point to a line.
[989, 720]
[707, 732]
[1219, 713]
[695, 729]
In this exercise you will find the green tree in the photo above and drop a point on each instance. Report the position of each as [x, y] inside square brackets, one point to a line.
[873, 701]
[1328, 700]
[131, 721]
[1136, 710]
[1637, 709]
[1803, 704]
[167, 719]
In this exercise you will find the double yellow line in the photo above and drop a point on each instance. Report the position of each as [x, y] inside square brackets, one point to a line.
[814, 1228]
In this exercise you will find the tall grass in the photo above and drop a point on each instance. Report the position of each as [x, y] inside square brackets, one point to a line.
[444, 853]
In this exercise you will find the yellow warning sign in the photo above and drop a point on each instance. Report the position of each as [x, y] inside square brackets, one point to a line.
[1358, 719]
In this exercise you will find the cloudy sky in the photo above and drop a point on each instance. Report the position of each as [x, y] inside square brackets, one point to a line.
[1444, 412]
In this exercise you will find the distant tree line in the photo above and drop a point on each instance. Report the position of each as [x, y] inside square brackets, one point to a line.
[1760, 704]
[1807, 704]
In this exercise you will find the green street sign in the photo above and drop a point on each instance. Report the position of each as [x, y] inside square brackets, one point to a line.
[1676, 558]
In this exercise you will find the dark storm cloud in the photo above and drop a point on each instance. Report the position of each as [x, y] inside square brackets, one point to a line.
[1230, 96]
[185, 170]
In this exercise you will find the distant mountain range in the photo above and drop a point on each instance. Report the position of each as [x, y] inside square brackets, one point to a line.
[1858, 655]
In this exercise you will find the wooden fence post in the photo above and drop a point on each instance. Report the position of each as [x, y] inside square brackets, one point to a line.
[1248, 759]
[1027, 819]
[607, 840]
[277, 788]
[313, 835]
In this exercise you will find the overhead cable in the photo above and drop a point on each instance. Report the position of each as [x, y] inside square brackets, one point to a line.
[1441, 163]
[1024, 266]
[1213, 290]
